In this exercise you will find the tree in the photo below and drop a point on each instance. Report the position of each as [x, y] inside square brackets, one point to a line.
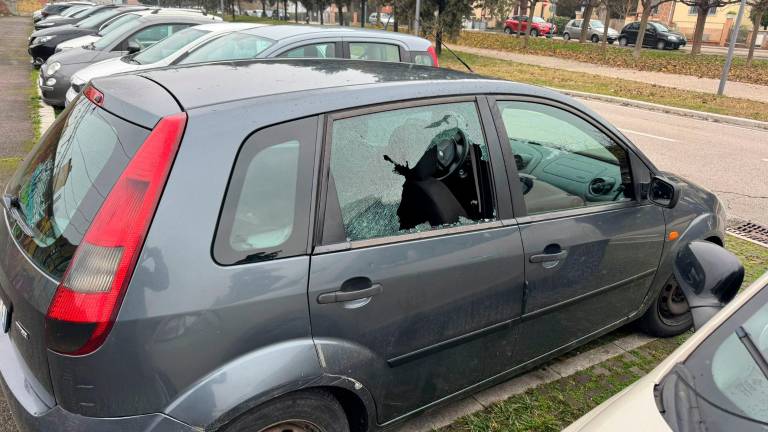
[703, 8]
[613, 9]
[442, 18]
[759, 9]
[500, 9]
[529, 21]
[586, 17]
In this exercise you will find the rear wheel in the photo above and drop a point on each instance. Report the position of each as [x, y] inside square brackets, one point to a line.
[507, 30]
[566, 37]
[306, 411]
[669, 315]
[623, 41]
[534, 33]
[595, 38]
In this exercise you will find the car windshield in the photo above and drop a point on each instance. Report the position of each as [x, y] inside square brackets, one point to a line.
[596, 24]
[539, 20]
[233, 46]
[73, 11]
[96, 19]
[660, 27]
[724, 374]
[112, 25]
[168, 46]
[117, 34]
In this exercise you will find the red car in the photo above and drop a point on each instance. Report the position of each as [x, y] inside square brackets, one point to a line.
[539, 26]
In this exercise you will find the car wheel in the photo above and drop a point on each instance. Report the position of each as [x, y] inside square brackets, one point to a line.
[507, 30]
[595, 38]
[566, 37]
[534, 33]
[611, 41]
[305, 411]
[660, 45]
[623, 41]
[669, 315]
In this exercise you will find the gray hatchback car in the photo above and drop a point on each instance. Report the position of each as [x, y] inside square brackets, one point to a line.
[321, 245]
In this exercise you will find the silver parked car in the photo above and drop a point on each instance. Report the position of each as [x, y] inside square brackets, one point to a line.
[594, 31]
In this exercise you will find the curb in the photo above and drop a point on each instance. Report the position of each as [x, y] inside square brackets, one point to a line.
[561, 367]
[47, 116]
[699, 115]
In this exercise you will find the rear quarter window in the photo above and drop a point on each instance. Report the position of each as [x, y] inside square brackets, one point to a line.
[266, 208]
[65, 179]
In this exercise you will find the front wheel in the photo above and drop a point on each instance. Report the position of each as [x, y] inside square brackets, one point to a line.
[660, 45]
[669, 315]
[534, 33]
[595, 38]
[566, 37]
[305, 411]
[623, 41]
[507, 30]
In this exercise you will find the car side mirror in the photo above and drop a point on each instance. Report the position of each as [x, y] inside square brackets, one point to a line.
[663, 192]
[709, 276]
[133, 47]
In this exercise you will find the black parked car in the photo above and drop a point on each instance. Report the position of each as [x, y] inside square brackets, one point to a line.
[56, 9]
[42, 43]
[657, 35]
[322, 246]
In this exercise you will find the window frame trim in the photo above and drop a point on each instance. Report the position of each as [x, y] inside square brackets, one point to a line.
[403, 51]
[500, 192]
[279, 51]
[636, 162]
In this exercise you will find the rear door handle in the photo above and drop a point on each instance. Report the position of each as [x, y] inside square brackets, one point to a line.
[345, 296]
[549, 257]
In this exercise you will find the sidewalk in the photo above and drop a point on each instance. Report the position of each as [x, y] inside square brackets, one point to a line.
[707, 85]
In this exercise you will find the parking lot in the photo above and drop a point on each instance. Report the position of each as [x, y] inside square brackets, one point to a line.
[730, 160]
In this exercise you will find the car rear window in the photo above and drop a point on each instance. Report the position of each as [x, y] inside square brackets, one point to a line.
[65, 179]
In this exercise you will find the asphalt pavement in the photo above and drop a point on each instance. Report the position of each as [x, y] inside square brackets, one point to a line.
[731, 161]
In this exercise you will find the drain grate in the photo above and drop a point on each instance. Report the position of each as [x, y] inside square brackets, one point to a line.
[751, 231]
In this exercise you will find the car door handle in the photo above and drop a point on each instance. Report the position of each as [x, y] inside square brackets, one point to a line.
[549, 257]
[345, 296]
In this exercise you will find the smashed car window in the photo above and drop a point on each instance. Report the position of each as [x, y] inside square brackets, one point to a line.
[411, 170]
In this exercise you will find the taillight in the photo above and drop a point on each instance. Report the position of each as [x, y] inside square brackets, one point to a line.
[433, 54]
[88, 298]
[93, 95]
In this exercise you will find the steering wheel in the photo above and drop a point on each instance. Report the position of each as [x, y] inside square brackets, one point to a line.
[452, 150]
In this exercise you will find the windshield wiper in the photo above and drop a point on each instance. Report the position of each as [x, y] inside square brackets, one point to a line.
[753, 350]
[13, 207]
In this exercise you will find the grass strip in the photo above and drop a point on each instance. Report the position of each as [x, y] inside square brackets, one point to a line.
[597, 84]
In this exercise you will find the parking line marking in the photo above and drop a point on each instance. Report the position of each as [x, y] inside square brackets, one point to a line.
[648, 135]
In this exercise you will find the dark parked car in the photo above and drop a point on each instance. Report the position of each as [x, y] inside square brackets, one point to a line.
[42, 43]
[61, 20]
[657, 35]
[52, 9]
[128, 38]
[321, 245]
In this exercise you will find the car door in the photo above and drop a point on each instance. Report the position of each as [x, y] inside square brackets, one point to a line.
[576, 32]
[632, 32]
[415, 281]
[592, 241]
[651, 36]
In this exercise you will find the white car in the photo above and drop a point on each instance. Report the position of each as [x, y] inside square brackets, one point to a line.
[716, 381]
[119, 20]
[385, 18]
[160, 54]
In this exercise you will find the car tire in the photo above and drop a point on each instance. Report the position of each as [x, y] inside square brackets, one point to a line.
[566, 37]
[535, 33]
[611, 41]
[669, 314]
[595, 38]
[507, 30]
[661, 45]
[623, 41]
[305, 411]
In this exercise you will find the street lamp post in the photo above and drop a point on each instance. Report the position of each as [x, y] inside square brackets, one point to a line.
[416, 20]
[731, 47]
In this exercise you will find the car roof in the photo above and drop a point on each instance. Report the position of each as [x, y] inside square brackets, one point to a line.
[248, 79]
[280, 32]
[227, 26]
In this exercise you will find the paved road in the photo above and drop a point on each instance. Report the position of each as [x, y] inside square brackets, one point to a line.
[729, 160]
[15, 126]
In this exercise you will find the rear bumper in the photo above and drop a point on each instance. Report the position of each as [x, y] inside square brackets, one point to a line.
[32, 413]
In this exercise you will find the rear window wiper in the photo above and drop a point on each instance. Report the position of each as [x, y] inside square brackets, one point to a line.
[13, 207]
[753, 350]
